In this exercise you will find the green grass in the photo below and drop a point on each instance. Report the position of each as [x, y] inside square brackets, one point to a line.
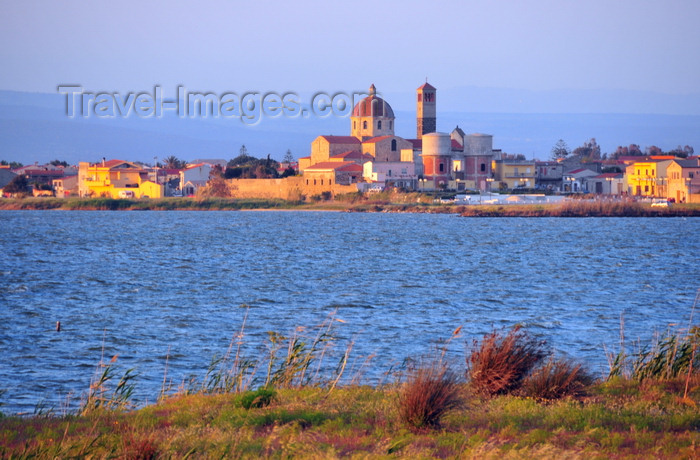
[362, 421]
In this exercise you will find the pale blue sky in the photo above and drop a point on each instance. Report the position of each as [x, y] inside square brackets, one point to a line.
[641, 45]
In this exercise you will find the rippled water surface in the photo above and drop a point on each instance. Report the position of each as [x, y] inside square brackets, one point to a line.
[151, 285]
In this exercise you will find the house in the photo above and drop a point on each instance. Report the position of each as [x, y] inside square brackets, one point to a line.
[66, 186]
[512, 174]
[194, 177]
[647, 177]
[607, 184]
[576, 181]
[684, 180]
[116, 179]
[549, 175]
[383, 174]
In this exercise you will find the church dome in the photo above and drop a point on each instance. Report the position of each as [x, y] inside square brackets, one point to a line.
[373, 106]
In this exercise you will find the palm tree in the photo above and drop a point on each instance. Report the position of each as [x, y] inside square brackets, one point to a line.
[173, 162]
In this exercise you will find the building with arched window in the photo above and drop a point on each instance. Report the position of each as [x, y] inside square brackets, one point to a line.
[455, 160]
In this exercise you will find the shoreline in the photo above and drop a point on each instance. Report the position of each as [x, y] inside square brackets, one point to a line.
[573, 208]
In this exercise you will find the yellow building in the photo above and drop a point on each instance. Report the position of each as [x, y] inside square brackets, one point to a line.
[648, 178]
[116, 179]
[684, 181]
[512, 174]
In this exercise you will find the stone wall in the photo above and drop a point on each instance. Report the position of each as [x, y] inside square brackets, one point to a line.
[289, 188]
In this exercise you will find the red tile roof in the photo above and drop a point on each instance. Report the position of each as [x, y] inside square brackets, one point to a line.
[376, 139]
[373, 106]
[342, 139]
[352, 154]
[427, 85]
[335, 165]
[417, 143]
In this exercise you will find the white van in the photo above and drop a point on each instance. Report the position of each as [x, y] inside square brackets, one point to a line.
[126, 194]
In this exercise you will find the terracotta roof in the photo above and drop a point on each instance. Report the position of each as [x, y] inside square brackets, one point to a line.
[372, 106]
[376, 139]
[576, 171]
[351, 154]
[417, 143]
[194, 166]
[342, 139]
[110, 163]
[334, 165]
[427, 85]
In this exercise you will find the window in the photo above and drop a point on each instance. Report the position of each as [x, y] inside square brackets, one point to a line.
[364, 125]
[330, 181]
[391, 125]
[314, 181]
[442, 167]
[379, 124]
[321, 181]
[393, 145]
[388, 173]
[483, 167]
[354, 125]
[307, 181]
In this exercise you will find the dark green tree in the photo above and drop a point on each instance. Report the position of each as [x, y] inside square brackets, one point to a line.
[173, 162]
[560, 150]
[589, 151]
[17, 186]
[11, 164]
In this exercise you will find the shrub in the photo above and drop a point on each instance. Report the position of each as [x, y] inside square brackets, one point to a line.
[556, 379]
[499, 364]
[262, 397]
[429, 392]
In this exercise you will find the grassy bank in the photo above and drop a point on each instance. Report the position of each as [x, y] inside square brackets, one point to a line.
[508, 399]
[413, 202]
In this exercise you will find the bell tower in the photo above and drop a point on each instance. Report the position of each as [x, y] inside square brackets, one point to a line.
[425, 110]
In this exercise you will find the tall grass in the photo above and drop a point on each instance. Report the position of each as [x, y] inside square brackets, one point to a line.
[556, 379]
[499, 363]
[431, 390]
[100, 396]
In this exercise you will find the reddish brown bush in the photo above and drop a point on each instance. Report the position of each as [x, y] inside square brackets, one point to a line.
[499, 364]
[429, 392]
[556, 379]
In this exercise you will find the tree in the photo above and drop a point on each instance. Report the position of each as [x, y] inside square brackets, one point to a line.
[589, 151]
[58, 162]
[682, 152]
[173, 162]
[288, 157]
[11, 164]
[560, 150]
[653, 150]
[17, 186]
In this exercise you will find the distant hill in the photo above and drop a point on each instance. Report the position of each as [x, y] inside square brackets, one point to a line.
[34, 127]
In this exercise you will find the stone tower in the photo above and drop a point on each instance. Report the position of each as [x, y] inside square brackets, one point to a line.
[425, 110]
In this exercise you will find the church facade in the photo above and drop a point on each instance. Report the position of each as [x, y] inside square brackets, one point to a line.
[430, 161]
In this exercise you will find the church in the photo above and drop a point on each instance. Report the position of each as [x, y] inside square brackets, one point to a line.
[375, 156]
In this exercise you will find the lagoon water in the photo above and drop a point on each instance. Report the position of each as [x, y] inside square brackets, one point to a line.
[153, 287]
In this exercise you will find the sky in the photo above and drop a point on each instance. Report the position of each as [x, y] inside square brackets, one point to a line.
[307, 46]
